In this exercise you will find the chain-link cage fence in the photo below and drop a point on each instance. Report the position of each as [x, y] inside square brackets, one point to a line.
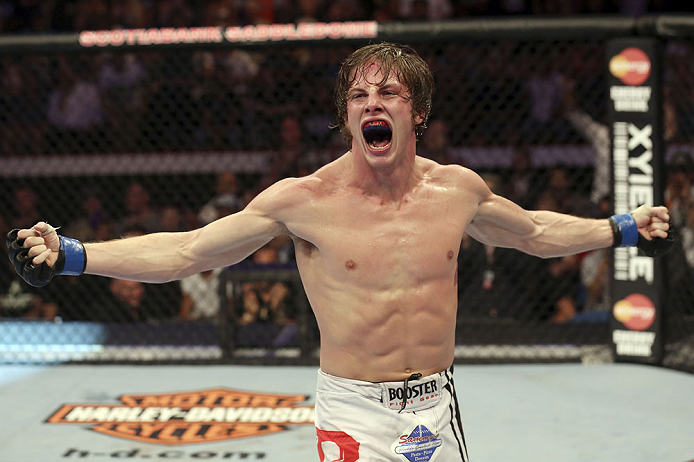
[120, 142]
[679, 196]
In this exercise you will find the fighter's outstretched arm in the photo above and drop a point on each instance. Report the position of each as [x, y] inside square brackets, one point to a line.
[502, 223]
[158, 257]
[162, 257]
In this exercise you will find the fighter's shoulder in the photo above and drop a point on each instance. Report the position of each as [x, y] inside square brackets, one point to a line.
[452, 175]
[289, 193]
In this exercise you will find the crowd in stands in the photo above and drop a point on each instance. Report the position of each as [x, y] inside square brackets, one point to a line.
[35, 16]
[493, 283]
[280, 102]
[239, 99]
[265, 311]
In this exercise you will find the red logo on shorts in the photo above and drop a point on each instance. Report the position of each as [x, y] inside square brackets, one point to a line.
[348, 446]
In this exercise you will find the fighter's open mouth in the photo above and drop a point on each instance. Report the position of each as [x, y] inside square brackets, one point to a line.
[377, 134]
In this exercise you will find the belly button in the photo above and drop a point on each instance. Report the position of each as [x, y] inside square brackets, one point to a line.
[350, 265]
[408, 370]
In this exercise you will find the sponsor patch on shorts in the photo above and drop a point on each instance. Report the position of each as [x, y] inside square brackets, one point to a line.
[419, 445]
[419, 394]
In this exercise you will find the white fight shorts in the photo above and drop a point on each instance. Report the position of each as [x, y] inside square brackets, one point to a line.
[366, 422]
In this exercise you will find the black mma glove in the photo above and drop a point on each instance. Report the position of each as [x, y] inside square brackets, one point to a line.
[626, 234]
[72, 260]
[658, 246]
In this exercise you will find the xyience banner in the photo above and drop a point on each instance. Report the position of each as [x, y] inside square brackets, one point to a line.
[635, 110]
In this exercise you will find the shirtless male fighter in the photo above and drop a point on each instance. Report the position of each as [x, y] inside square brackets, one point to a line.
[376, 233]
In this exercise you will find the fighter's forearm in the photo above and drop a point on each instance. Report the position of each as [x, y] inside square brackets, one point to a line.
[558, 234]
[163, 257]
[159, 257]
[501, 223]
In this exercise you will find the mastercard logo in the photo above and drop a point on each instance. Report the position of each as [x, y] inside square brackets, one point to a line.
[636, 312]
[631, 66]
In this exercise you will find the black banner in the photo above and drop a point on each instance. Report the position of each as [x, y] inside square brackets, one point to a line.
[635, 99]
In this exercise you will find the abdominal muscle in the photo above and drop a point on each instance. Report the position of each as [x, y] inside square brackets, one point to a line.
[386, 335]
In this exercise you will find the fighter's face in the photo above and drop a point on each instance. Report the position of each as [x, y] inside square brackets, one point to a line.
[379, 115]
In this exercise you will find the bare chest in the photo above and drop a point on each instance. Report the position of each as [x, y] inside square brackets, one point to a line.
[378, 244]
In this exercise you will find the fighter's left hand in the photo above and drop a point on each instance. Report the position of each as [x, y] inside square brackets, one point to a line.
[652, 221]
[656, 234]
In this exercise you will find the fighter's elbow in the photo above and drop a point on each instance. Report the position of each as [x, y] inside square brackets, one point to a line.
[186, 259]
[535, 243]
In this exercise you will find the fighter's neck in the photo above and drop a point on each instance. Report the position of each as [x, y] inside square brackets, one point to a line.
[390, 183]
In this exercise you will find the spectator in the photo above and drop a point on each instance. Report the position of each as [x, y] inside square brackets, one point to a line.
[169, 123]
[161, 301]
[171, 220]
[81, 299]
[173, 13]
[34, 15]
[434, 10]
[292, 158]
[554, 285]
[289, 159]
[316, 108]
[258, 12]
[488, 279]
[130, 14]
[491, 87]
[75, 108]
[26, 208]
[435, 144]
[125, 303]
[418, 11]
[274, 93]
[95, 221]
[140, 212]
[522, 182]
[91, 15]
[21, 99]
[17, 298]
[544, 90]
[226, 200]
[386, 11]
[598, 136]
[266, 306]
[679, 197]
[122, 79]
[345, 10]
[201, 297]
[679, 190]
[510, 7]
[221, 79]
[594, 273]
[565, 193]
[307, 11]
[220, 13]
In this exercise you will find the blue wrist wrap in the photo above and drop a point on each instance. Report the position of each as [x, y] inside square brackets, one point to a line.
[630, 232]
[75, 258]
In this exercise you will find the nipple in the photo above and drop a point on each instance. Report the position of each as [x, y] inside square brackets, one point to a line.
[350, 265]
[450, 255]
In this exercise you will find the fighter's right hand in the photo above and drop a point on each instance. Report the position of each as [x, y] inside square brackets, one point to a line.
[39, 253]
